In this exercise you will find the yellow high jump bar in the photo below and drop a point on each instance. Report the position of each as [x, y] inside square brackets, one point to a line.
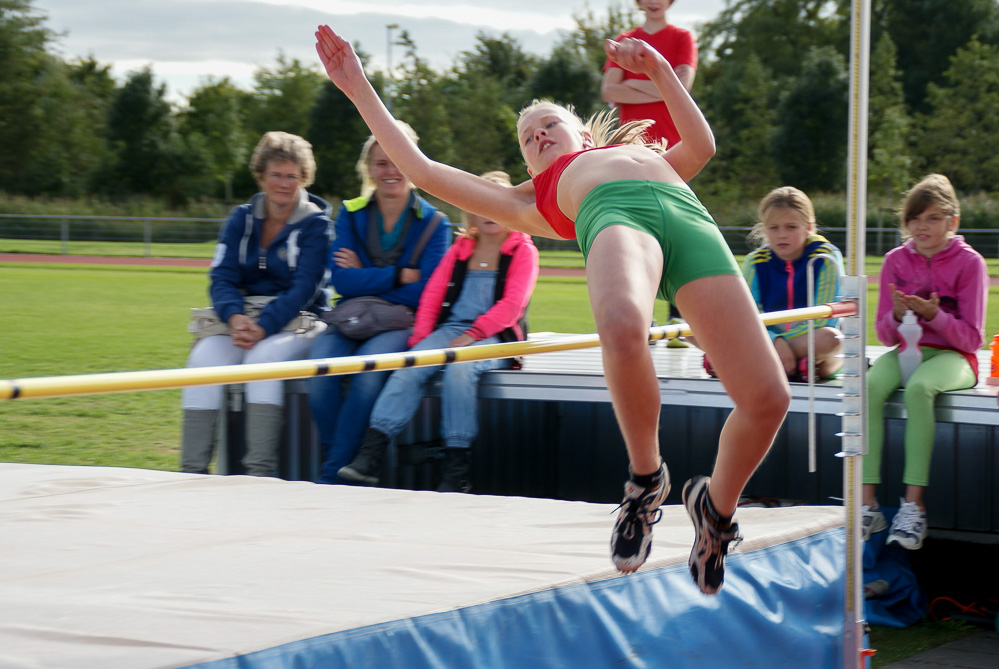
[163, 379]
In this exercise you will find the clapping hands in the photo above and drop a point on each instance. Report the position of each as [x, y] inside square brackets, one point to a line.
[902, 302]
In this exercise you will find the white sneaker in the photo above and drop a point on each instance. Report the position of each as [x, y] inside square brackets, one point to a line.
[872, 521]
[908, 527]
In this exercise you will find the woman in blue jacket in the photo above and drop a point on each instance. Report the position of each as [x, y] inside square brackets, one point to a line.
[376, 252]
[271, 250]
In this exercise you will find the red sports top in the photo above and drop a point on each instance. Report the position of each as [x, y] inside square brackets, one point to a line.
[546, 193]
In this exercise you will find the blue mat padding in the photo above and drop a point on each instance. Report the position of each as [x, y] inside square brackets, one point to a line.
[780, 606]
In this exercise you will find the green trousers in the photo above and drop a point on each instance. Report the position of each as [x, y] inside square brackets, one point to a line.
[940, 371]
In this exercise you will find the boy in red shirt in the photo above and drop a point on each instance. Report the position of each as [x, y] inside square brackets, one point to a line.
[635, 97]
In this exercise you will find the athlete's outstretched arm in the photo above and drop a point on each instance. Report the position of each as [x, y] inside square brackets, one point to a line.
[513, 208]
[697, 142]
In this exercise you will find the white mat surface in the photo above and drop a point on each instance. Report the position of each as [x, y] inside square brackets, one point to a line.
[106, 567]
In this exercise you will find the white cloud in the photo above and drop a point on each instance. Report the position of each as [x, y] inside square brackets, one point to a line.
[530, 16]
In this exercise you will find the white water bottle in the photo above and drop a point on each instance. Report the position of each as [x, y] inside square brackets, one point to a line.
[909, 355]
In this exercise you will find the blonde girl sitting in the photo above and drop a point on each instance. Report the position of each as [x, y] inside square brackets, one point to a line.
[777, 276]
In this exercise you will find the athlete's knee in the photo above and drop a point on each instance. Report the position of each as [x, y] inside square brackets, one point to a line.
[623, 319]
[766, 401]
[623, 333]
[775, 402]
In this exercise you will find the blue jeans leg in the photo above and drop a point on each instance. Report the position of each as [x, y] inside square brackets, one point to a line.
[403, 393]
[400, 399]
[460, 398]
[341, 413]
[326, 392]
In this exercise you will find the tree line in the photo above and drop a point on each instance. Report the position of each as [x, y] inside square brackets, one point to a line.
[772, 81]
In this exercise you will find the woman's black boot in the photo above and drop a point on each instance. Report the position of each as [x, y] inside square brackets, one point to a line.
[456, 470]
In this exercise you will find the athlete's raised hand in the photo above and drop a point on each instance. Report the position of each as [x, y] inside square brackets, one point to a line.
[338, 57]
[635, 55]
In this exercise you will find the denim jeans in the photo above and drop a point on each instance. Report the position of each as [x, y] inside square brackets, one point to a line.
[341, 405]
[401, 397]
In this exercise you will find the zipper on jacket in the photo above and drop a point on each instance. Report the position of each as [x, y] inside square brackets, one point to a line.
[789, 266]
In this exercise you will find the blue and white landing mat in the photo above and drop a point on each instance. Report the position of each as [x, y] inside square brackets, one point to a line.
[106, 567]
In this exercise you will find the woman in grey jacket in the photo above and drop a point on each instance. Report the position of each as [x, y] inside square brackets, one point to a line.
[273, 247]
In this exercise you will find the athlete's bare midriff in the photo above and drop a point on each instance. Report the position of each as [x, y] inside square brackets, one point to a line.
[619, 163]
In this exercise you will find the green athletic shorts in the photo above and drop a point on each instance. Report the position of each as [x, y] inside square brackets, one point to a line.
[692, 245]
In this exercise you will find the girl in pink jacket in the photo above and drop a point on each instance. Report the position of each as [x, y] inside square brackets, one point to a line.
[944, 281]
[477, 295]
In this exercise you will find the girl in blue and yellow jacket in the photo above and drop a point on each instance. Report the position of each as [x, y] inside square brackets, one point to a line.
[777, 274]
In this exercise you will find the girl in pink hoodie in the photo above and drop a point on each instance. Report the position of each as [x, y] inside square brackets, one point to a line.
[944, 281]
[477, 295]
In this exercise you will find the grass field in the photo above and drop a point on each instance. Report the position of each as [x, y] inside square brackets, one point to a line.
[71, 319]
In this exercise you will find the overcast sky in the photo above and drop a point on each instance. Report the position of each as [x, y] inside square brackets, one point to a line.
[185, 41]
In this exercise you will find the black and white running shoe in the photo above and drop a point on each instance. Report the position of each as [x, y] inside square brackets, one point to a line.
[631, 540]
[711, 542]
